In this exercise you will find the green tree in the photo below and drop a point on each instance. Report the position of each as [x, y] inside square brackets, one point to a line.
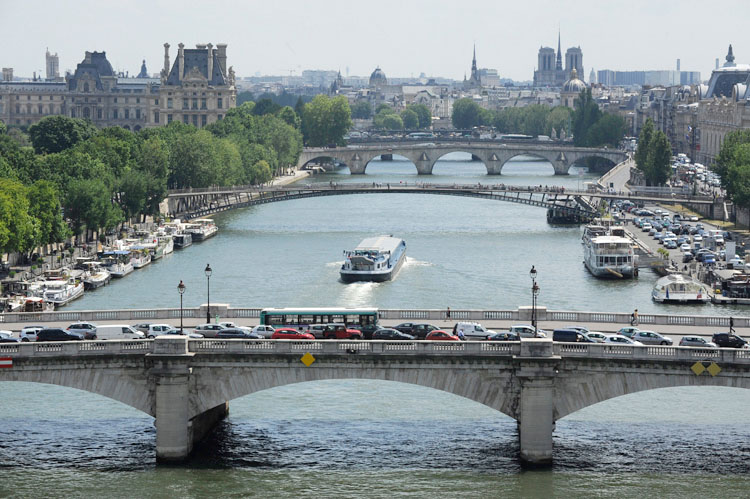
[326, 120]
[585, 115]
[3, 128]
[57, 133]
[243, 97]
[726, 157]
[558, 119]
[659, 159]
[17, 227]
[44, 206]
[362, 110]
[609, 130]
[289, 117]
[393, 122]
[89, 202]
[466, 114]
[424, 114]
[266, 106]
[738, 175]
[641, 152]
[409, 119]
[384, 108]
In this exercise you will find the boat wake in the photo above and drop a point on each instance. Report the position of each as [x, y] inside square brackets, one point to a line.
[413, 262]
[335, 264]
[358, 294]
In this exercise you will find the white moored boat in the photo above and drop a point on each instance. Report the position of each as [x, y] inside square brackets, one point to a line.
[608, 253]
[375, 259]
[201, 229]
[61, 292]
[95, 276]
[679, 288]
[117, 263]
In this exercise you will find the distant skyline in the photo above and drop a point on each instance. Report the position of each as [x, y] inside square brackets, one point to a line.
[405, 38]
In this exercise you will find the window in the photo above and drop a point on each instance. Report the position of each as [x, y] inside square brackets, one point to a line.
[73, 113]
[219, 103]
[195, 103]
[39, 108]
[203, 120]
[138, 114]
[28, 97]
[18, 109]
[185, 103]
[156, 116]
[115, 99]
[86, 113]
[39, 98]
[156, 102]
[169, 103]
[114, 114]
[195, 119]
[127, 114]
[98, 113]
[221, 117]
[186, 119]
[137, 100]
[203, 104]
[169, 119]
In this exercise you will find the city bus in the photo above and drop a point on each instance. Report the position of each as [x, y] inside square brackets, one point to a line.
[364, 319]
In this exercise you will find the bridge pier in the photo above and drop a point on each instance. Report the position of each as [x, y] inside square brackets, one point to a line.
[176, 430]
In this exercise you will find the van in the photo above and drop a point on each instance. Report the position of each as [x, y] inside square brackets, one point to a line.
[118, 332]
[570, 336]
[472, 331]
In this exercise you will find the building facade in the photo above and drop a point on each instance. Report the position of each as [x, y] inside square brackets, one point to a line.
[550, 71]
[198, 89]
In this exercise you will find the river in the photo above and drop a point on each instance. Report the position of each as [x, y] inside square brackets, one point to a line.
[374, 438]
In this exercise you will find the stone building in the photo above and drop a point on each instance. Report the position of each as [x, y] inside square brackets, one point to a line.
[198, 90]
[550, 71]
[571, 90]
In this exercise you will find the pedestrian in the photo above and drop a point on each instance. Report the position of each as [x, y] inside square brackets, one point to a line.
[448, 313]
[461, 335]
[731, 324]
[634, 318]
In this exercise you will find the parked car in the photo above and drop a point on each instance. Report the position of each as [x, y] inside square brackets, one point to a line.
[420, 331]
[28, 333]
[440, 335]
[527, 331]
[142, 326]
[597, 336]
[7, 337]
[386, 333]
[618, 339]
[208, 330]
[504, 336]
[118, 332]
[287, 333]
[341, 332]
[570, 336]
[628, 331]
[696, 341]
[87, 329]
[155, 330]
[264, 330]
[57, 334]
[176, 331]
[471, 330]
[404, 327]
[651, 338]
[729, 340]
[235, 332]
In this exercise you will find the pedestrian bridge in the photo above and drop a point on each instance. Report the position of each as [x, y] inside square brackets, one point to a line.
[186, 384]
[493, 154]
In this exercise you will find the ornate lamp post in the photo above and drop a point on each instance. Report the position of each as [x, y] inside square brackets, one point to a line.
[534, 293]
[181, 290]
[208, 272]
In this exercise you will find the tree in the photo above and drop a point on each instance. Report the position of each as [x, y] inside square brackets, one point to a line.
[44, 206]
[659, 159]
[326, 120]
[393, 122]
[726, 156]
[243, 97]
[3, 128]
[288, 115]
[641, 152]
[89, 202]
[17, 226]
[738, 173]
[362, 110]
[410, 119]
[424, 114]
[558, 119]
[265, 106]
[585, 115]
[57, 133]
[609, 130]
[466, 114]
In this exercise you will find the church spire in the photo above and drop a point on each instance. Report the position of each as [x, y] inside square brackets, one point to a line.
[474, 59]
[558, 65]
[730, 58]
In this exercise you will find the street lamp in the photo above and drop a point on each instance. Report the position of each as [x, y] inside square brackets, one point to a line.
[534, 293]
[181, 290]
[208, 291]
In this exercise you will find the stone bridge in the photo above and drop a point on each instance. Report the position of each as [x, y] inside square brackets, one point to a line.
[493, 154]
[186, 384]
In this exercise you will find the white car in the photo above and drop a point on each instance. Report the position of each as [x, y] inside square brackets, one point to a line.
[685, 247]
[526, 331]
[29, 333]
[7, 337]
[697, 238]
[597, 336]
[209, 330]
[264, 331]
[693, 218]
[618, 339]
[155, 330]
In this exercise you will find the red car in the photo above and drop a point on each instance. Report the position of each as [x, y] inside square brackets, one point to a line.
[287, 333]
[339, 332]
[440, 335]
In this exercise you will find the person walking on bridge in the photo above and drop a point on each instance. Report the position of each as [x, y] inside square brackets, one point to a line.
[634, 318]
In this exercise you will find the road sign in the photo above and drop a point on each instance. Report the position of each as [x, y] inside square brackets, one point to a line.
[6, 362]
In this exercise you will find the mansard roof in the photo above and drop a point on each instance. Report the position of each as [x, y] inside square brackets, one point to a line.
[197, 58]
[96, 65]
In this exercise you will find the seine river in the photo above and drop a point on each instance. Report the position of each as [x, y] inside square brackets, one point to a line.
[373, 438]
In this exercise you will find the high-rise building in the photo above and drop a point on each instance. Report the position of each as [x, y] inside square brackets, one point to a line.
[53, 66]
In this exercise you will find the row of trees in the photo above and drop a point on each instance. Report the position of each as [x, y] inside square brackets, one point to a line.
[733, 165]
[414, 117]
[653, 155]
[588, 125]
[100, 178]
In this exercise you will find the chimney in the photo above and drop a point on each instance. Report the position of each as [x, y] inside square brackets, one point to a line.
[221, 56]
[678, 64]
[717, 63]
[210, 62]
[166, 58]
[87, 60]
[180, 60]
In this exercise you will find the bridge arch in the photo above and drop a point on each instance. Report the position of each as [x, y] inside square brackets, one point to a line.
[539, 155]
[491, 388]
[130, 389]
[318, 157]
[587, 390]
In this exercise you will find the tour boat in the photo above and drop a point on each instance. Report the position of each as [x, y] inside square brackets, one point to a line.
[608, 253]
[95, 275]
[118, 263]
[140, 257]
[202, 228]
[679, 288]
[375, 259]
[182, 240]
[60, 292]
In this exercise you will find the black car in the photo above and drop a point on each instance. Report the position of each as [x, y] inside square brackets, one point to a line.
[504, 336]
[232, 332]
[570, 336]
[56, 334]
[390, 334]
[728, 340]
[404, 327]
[420, 331]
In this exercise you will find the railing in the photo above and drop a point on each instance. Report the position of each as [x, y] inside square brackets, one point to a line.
[520, 314]
[77, 348]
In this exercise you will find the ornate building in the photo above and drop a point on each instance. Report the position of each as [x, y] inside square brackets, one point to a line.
[724, 106]
[97, 93]
[474, 81]
[571, 90]
[550, 71]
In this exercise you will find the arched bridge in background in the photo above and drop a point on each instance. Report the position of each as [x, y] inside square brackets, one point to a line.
[493, 154]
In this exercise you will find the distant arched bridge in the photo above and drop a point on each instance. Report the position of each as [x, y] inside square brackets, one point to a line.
[493, 154]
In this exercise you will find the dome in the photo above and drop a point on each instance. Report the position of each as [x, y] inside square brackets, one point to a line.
[377, 78]
[573, 85]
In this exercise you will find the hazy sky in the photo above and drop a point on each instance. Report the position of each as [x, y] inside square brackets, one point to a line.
[403, 37]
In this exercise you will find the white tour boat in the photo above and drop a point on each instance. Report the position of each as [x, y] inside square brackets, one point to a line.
[679, 288]
[60, 292]
[608, 253]
[375, 259]
[201, 229]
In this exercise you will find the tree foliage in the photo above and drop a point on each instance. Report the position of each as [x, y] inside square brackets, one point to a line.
[466, 114]
[410, 119]
[644, 139]
[362, 110]
[57, 133]
[326, 120]
[423, 113]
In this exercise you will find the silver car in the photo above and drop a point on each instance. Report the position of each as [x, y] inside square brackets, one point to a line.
[651, 338]
[696, 341]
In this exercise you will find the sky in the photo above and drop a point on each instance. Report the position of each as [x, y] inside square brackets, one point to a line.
[403, 37]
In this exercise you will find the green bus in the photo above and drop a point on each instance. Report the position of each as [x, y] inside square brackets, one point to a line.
[364, 319]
